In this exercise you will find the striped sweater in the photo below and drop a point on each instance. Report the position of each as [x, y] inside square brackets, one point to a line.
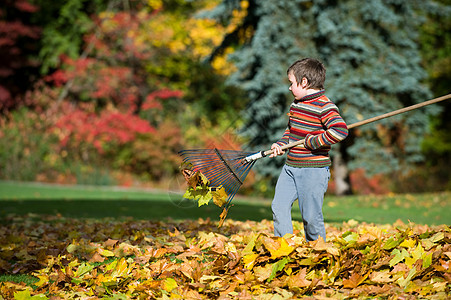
[317, 120]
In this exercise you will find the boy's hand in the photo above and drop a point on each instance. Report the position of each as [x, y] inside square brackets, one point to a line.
[277, 150]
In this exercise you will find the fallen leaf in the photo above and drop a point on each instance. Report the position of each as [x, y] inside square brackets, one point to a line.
[169, 284]
[354, 281]
[278, 246]
[381, 277]
[298, 280]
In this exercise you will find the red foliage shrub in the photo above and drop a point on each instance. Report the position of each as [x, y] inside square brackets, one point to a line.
[154, 155]
[102, 131]
[152, 99]
[363, 185]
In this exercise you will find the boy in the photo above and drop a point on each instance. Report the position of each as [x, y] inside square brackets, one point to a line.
[305, 175]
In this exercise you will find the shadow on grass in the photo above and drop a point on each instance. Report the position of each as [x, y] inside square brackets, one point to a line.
[137, 209]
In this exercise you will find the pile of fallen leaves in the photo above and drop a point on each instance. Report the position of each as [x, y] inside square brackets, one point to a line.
[129, 259]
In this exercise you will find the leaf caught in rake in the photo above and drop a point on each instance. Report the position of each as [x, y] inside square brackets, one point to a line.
[223, 168]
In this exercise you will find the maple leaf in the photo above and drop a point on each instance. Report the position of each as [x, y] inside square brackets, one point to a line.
[83, 269]
[398, 256]
[25, 295]
[263, 272]
[415, 255]
[169, 284]
[353, 281]
[321, 245]
[104, 252]
[408, 243]
[278, 266]
[219, 196]
[250, 244]
[381, 277]
[278, 247]
[249, 260]
[299, 280]
[404, 281]
[203, 198]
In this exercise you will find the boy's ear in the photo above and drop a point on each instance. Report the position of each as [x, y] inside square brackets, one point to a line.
[304, 82]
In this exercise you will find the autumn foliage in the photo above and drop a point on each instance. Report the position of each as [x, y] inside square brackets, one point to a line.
[131, 259]
[17, 43]
[126, 104]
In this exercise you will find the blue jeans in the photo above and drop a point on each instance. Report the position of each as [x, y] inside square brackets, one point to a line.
[308, 186]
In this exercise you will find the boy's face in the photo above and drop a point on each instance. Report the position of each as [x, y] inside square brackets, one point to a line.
[298, 90]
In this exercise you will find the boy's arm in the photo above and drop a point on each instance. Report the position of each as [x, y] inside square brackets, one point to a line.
[336, 129]
[285, 138]
[283, 141]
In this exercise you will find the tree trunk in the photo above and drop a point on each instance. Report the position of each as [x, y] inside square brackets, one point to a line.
[341, 176]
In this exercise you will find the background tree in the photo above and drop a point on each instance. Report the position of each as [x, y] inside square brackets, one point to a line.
[373, 65]
[123, 80]
[18, 52]
[435, 42]
[64, 23]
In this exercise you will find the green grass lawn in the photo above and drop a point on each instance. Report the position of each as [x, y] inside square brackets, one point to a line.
[102, 202]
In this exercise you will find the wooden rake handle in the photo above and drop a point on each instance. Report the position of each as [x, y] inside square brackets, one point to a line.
[370, 120]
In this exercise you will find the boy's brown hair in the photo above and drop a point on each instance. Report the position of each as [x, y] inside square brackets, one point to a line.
[312, 69]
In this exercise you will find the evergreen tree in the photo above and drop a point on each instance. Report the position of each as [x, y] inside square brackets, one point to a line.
[371, 52]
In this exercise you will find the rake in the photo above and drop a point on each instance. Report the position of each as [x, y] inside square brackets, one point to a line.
[229, 168]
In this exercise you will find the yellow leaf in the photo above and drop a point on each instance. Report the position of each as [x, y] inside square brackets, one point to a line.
[207, 278]
[25, 295]
[204, 179]
[106, 253]
[427, 260]
[43, 279]
[398, 256]
[277, 247]
[83, 269]
[22, 295]
[404, 281]
[222, 216]
[219, 196]
[415, 255]
[250, 244]
[418, 252]
[408, 243]
[203, 198]
[249, 260]
[121, 268]
[230, 247]
[169, 284]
